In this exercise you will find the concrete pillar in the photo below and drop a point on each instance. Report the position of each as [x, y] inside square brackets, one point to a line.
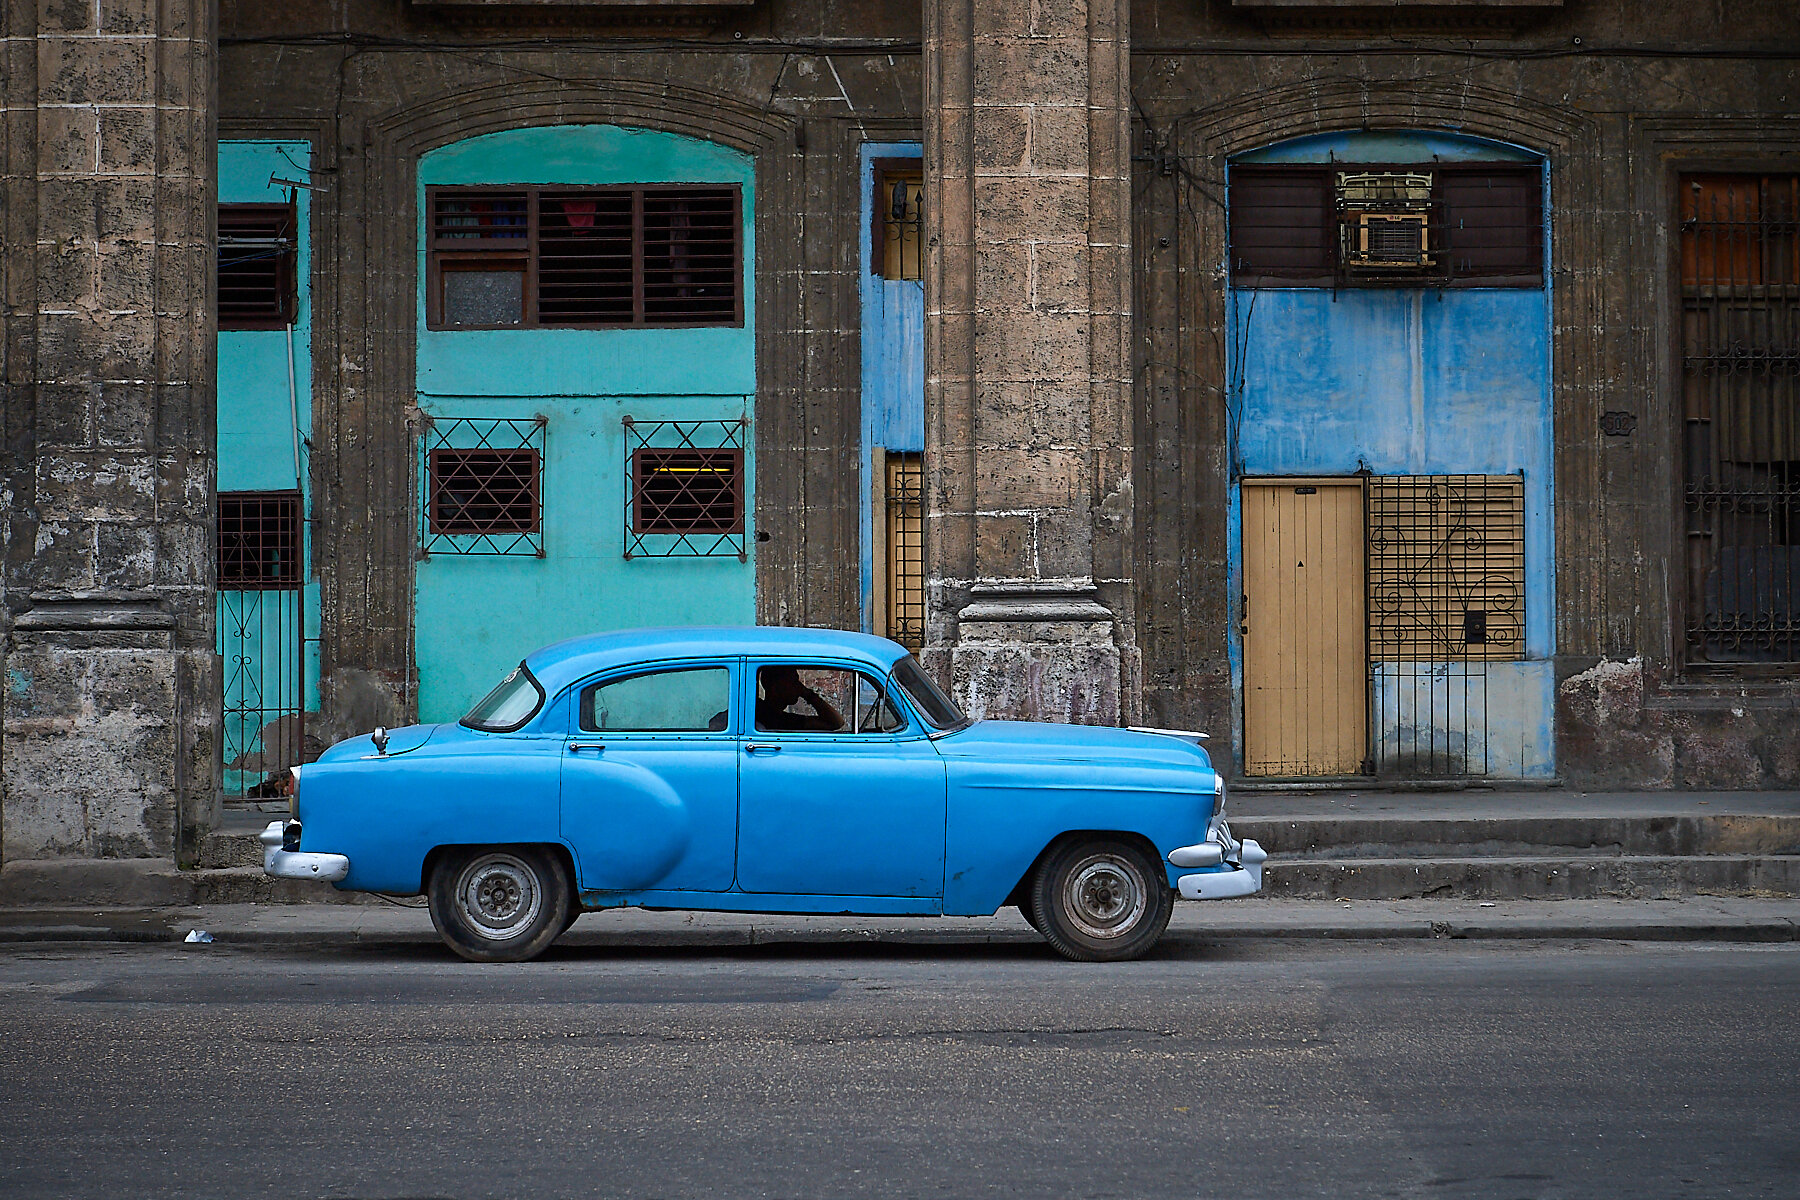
[1027, 390]
[108, 344]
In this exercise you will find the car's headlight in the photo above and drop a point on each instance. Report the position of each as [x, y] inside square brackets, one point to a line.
[293, 791]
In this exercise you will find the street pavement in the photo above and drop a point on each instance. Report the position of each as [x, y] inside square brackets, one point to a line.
[876, 1066]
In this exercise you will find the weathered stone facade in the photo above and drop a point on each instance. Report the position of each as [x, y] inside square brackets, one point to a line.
[107, 280]
[1077, 440]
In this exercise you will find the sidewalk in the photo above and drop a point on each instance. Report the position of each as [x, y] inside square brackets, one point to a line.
[1695, 919]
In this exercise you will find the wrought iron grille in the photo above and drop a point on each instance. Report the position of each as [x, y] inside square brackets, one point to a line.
[904, 496]
[1740, 376]
[1446, 580]
[482, 482]
[900, 222]
[686, 488]
[261, 637]
[259, 540]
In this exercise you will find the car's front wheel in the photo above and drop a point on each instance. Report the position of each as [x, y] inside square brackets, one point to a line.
[500, 903]
[1103, 900]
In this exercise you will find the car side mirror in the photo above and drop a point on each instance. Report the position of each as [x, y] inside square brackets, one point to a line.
[380, 738]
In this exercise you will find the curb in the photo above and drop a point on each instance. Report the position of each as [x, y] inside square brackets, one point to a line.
[159, 932]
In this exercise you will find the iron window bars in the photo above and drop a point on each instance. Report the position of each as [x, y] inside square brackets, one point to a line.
[1740, 380]
[904, 507]
[259, 540]
[256, 266]
[1315, 225]
[684, 496]
[482, 486]
[593, 258]
[899, 224]
[1446, 567]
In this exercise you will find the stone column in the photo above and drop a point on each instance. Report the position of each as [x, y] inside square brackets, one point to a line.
[1027, 390]
[107, 744]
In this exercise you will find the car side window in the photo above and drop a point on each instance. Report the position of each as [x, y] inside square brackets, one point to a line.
[687, 700]
[823, 700]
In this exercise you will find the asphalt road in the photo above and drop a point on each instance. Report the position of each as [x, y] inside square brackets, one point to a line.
[1249, 1068]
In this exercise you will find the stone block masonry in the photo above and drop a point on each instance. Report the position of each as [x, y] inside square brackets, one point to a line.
[106, 746]
[1028, 265]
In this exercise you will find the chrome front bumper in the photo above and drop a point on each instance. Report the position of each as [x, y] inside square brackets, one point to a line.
[1243, 863]
[298, 864]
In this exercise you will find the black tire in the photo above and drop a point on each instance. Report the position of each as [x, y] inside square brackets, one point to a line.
[500, 903]
[1030, 917]
[1103, 900]
[575, 910]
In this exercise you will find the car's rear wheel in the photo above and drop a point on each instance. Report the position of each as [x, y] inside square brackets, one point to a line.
[1103, 900]
[500, 903]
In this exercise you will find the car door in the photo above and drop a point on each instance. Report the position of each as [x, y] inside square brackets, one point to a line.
[841, 793]
[650, 779]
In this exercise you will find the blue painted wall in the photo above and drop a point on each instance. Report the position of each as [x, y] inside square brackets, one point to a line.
[893, 362]
[476, 616]
[1408, 382]
[256, 452]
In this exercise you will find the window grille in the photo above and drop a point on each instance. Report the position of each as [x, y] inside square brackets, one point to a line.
[904, 505]
[1446, 568]
[483, 481]
[666, 255]
[686, 489]
[899, 219]
[259, 540]
[1740, 378]
[256, 266]
[1372, 225]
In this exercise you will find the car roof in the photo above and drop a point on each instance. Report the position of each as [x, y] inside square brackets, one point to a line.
[561, 664]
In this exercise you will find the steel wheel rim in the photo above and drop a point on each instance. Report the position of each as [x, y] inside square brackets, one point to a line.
[1105, 896]
[498, 896]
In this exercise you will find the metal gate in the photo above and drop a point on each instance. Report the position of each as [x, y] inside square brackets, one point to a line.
[1446, 575]
[1740, 377]
[262, 639]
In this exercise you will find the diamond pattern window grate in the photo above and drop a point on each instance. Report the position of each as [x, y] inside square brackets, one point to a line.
[483, 481]
[686, 491]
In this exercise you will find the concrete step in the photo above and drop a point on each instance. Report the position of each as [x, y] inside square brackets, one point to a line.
[1353, 837]
[1640, 876]
[230, 849]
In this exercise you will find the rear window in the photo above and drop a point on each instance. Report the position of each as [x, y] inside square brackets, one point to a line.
[937, 708]
[512, 703]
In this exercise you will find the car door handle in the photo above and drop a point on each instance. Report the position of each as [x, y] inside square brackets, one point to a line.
[753, 747]
[575, 746]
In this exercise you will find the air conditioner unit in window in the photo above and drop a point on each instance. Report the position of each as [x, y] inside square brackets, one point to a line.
[1385, 221]
[1388, 240]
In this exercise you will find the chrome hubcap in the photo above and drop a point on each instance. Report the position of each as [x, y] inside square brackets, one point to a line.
[1105, 896]
[499, 895]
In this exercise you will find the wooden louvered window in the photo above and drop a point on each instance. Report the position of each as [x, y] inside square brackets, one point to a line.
[256, 263]
[687, 490]
[1315, 225]
[666, 255]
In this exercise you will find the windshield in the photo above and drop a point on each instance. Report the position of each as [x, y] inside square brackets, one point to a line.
[937, 708]
[509, 705]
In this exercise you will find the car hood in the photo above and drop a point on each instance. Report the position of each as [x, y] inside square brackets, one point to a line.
[1041, 740]
[400, 741]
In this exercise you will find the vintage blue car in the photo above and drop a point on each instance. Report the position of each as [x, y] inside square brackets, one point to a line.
[761, 770]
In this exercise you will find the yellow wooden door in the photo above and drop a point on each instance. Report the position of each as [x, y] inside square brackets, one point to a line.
[1305, 668]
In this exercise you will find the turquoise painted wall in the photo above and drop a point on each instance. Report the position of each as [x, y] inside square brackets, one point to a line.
[1409, 382]
[476, 616]
[256, 452]
[893, 363]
